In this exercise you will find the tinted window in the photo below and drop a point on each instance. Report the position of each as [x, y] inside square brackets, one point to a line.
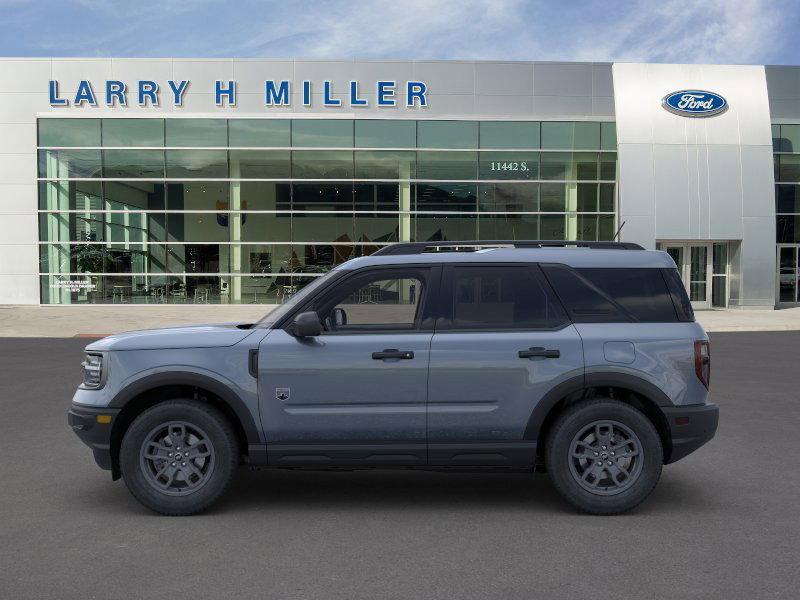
[679, 298]
[501, 298]
[642, 292]
[584, 301]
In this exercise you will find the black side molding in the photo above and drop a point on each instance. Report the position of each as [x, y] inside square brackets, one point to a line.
[252, 362]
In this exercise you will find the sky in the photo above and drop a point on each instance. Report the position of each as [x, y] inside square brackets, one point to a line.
[679, 31]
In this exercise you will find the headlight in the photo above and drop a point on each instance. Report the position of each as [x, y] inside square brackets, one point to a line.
[93, 371]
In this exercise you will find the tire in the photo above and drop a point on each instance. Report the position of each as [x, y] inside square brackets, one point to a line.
[615, 434]
[178, 457]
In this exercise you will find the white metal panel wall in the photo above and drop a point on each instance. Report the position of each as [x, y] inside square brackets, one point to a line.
[699, 178]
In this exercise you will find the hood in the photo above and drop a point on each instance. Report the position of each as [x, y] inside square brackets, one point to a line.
[187, 336]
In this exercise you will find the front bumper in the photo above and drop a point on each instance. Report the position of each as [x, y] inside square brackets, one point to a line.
[690, 427]
[94, 432]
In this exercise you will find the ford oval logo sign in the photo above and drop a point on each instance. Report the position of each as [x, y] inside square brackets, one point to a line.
[695, 103]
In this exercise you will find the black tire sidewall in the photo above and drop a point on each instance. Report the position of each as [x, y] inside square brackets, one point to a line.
[221, 435]
[557, 455]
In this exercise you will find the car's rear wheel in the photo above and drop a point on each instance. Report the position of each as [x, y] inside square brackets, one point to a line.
[179, 457]
[604, 456]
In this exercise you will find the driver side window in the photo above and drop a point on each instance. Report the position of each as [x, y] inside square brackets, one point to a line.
[380, 302]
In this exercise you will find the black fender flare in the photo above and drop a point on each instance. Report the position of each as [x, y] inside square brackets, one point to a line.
[189, 378]
[590, 380]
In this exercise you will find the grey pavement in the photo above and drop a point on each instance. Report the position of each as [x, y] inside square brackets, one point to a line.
[722, 523]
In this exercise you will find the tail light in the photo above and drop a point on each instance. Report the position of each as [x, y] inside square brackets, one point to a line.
[702, 361]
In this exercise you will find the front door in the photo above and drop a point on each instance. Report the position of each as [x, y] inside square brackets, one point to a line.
[788, 275]
[355, 394]
[502, 342]
[694, 262]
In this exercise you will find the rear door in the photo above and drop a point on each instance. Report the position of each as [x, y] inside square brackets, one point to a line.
[501, 343]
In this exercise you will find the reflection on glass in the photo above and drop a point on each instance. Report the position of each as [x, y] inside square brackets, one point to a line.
[69, 132]
[323, 227]
[508, 197]
[556, 165]
[382, 196]
[258, 133]
[70, 195]
[553, 197]
[198, 164]
[121, 164]
[196, 132]
[262, 195]
[133, 132]
[63, 164]
[260, 164]
[787, 198]
[508, 227]
[322, 133]
[447, 134]
[320, 164]
[445, 227]
[587, 197]
[789, 169]
[199, 195]
[447, 165]
[509, 134]
[385, 165]
[385, 133]
[198, 227]
[461, 197]
[315, 196]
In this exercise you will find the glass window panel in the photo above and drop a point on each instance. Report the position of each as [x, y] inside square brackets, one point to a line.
[385, 133]
[587, 197]
[788, 229]
[382, 196]
[69, 132]
[587, 228]
[322, 133]
[198, 227]
[321, 258]
[508, 165]
[264, 227]
[316, 164]
[787, 198]
[556, 165]
[133, 163]
[377, 303]
[127, 258]
[446, 197]
[552, 227]
[77, 227]
[608, 166]
[720, 259]
[134, 227]
[508, 197]
[790, 138]
[316, 196]
[585, 166]
[789, 170]
[196, 132]
[606, 197]
[385, 165]
[206, 290]
[447, 134]
[262, 258]
[587, 136]
[553, 197]
[260, 164]
[133, 195]
[198, 258]
[71, 258]
[262, 290]
[62, 164]
[200, 195]
[776, 138]
[378, 227]
[608, 136]
[605, 228]
[133, 132]
[558, 135]
[258, 133]
[508, 227]
[509, 134]
[197, 163]
[447, 165]
[262, 195]
[445, 228]
[788, 274]
[70, 195]
[323, 227]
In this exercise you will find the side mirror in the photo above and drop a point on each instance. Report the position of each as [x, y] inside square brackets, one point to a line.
[306, 325]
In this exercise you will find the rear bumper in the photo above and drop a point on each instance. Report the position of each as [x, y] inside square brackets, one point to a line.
[96, 435]
[690, 427]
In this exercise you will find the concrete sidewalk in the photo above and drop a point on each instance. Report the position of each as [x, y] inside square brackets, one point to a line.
[96, 321]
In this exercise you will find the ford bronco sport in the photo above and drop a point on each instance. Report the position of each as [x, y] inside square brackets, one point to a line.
[579, 358]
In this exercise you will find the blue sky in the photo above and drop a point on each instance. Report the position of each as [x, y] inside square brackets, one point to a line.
[690, 31]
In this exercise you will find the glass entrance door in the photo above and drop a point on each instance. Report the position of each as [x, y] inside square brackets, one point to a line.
[694, 262]
[788, 275]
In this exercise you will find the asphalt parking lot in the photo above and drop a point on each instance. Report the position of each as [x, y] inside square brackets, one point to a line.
[723, 523]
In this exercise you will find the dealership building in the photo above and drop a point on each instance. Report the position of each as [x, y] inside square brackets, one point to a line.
[149, 181]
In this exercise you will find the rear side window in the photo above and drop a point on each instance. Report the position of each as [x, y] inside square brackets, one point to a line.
[499, 297]
[641, 292]
[679, 297]
[613, 295]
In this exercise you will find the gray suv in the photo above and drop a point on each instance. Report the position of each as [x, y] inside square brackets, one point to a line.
[579, 359]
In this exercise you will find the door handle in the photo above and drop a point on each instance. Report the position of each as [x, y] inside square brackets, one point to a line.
[393, 353]
[539, 353]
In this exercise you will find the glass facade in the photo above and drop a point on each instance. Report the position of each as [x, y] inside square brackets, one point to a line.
[786, 153]
[250, 210]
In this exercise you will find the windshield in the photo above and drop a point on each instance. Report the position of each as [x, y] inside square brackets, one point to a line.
[301, 296]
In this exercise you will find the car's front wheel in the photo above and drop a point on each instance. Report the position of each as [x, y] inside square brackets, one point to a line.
[604, 456]
[178, 457]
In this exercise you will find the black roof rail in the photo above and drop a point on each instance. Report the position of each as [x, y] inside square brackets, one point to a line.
[421, 247]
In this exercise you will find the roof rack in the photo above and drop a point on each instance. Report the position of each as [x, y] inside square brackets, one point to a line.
[422, 247]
